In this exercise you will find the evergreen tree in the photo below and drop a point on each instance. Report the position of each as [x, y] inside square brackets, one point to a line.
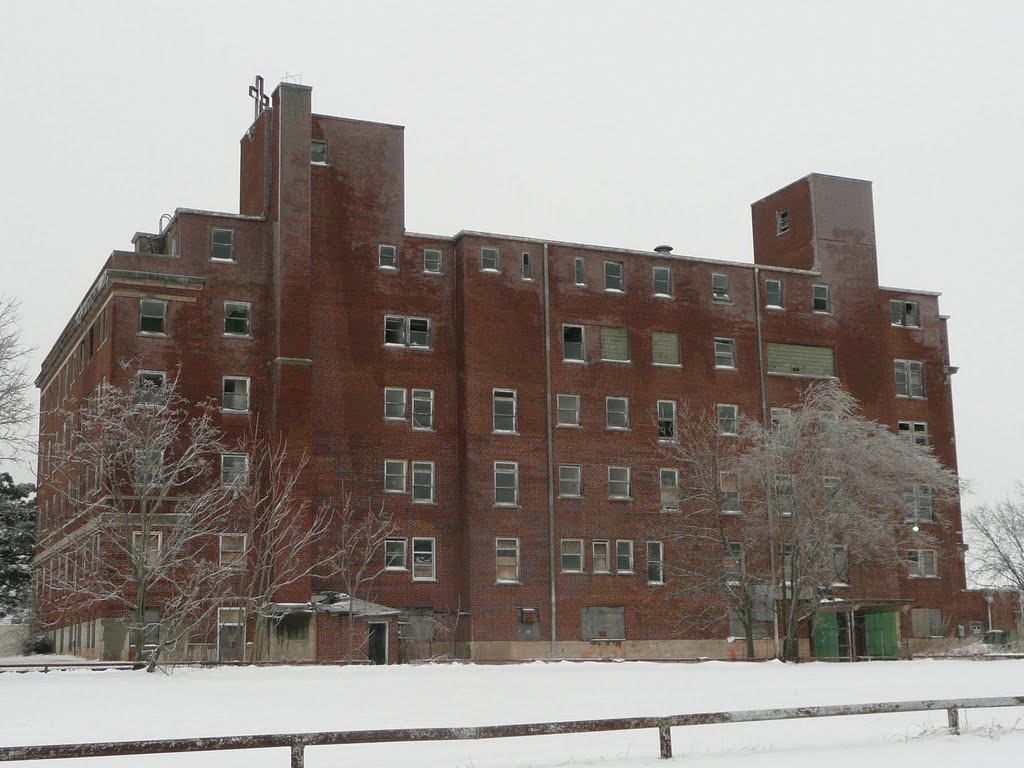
[17, 542]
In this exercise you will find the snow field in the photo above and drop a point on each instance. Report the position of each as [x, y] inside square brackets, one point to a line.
[81, 706]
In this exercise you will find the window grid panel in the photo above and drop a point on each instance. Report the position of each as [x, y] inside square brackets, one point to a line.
[394, 403]
[662, 280]
[423, 482]
[506, 557]
[423, 409]
[504, 410]
[725, 353]
[613, 276]
[387, 257]
[624, 556]
[506, 483]
[571, 556]
[570, 481]
[394, 476]
[618, 483]
[568, 410]
[617, 412]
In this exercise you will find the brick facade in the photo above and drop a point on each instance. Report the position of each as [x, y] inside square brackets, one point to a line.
[306, 259]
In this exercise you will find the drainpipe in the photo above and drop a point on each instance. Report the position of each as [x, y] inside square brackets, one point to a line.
[551, 456]
[767, 423]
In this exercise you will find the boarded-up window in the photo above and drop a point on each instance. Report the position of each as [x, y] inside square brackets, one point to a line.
[615, 344]
[600, 623]
[926, 622]
[666, 348]
[801, 360]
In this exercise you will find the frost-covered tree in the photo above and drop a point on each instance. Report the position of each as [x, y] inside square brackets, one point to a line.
[139, 471]
[17, 542]
[997, 533]
[16, 413]
[833, 489]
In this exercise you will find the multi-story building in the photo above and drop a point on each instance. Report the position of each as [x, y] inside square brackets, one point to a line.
[499, 392]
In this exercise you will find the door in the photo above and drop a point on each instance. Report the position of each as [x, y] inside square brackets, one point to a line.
[377, 642]
[230, 634]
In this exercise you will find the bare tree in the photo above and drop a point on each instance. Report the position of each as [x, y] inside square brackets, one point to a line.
[834, 488]
[710, 570]
[137, 470]
[358, 549]
[283, 532]
[997, 530]
[15, 410]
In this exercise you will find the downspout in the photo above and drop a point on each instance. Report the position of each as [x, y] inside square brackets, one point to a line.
[551, 456]
[767, 423]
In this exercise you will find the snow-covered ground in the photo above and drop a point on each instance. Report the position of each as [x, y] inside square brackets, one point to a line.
[79, 706]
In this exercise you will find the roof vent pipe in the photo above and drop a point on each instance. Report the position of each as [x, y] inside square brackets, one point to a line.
[666, 249]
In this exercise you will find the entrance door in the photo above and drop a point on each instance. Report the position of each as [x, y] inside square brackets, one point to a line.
[377, 643]
[230, 634]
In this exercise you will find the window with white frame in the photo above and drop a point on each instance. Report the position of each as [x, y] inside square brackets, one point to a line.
[506, 483]
[527, 267]
[222, 244]
[394, 476]
[915, 432]
[616, 412]
[423, 565]
[922, 563]
[904, 313]
[394, 403]
[147, 549]
[387, 257]
[773, 294]
[666, 421]
[613, 276]
[573, 349]
[655, 562]
[423, 409]
[624, 556]
[570, 480]
[234, 470]
[788, 552]
[725, 353]
[668, 479]
[572, 555]
[909, 378]
[729, 484]
[150, 386]
[504, 410]
[601, 561]
[317, 152]
[917, 503]
[781, 222]
[237, 318]
[232, 550]
[506, 561]
[840, 565]
[395, 556]
[662, 279]
[665, 349]
[407, 331]
[432, 261]
[422, 482]
[615, 344]
[618, 483]
[733, 564]
[720, 289]
[784, 499]
[580, 271]
[235, 393]
[822, 302]
[728, 419]
[153, 317]
[489, 260]
[568, 410]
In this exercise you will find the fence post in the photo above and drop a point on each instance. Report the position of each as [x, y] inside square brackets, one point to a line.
[954, 720]
[298, 755]
[665, 739]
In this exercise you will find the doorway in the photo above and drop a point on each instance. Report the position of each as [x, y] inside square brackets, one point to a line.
[377, 642]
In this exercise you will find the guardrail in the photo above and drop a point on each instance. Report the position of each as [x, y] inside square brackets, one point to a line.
[297, 742]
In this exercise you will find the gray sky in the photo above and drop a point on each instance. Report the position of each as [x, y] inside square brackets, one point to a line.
[620, 124]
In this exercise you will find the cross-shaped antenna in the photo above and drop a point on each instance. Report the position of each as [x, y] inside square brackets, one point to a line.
[262, 100]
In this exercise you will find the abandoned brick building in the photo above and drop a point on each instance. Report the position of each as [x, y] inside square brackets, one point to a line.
[497, 391]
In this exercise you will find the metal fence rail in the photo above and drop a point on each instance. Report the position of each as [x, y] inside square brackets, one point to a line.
[297, 742]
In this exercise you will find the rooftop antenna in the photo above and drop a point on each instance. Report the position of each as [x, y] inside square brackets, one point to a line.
[289, 78]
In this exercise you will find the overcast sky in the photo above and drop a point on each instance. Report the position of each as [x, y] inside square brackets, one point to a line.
[619, 124]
